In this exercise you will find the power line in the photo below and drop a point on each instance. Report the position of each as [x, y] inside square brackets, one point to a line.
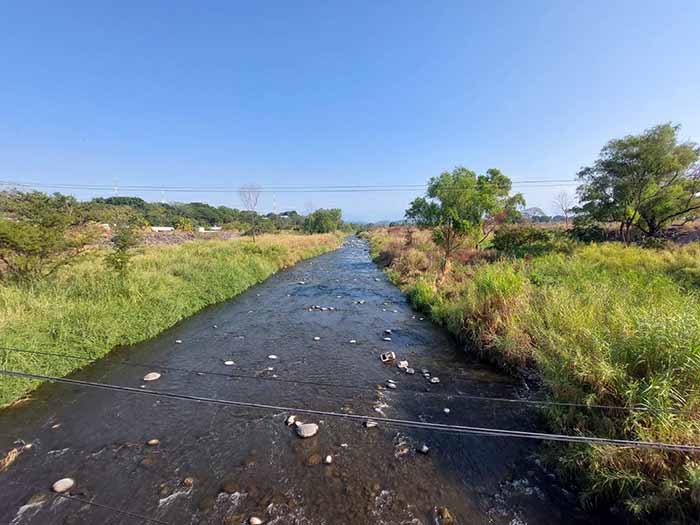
[534, 402]
[438, 427]
[92, 503]
[541, 183]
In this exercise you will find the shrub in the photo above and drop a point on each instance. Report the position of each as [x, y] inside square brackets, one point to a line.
[521, 241]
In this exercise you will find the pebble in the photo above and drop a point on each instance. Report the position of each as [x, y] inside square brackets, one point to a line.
[307, 430]
[317, 338]
[229, 363]
[328, 460]
[63, 485]
[446, 410]
[272, 356]
[410, 371]
[291, 420]
[370, 424]
[352, 341]
[153, 442]
[215, 326]
[387, 331]
[255, 521]
[391, 385]
[178, 341]
[151, 376]
[434, 379]
[424, 449]
[387, 338]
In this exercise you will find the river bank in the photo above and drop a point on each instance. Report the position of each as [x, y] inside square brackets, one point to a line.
[87, 310]
[602, 325]
[222, 464]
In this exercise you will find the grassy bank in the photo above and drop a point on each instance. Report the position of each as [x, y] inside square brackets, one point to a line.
[88, 310]
[603, 324]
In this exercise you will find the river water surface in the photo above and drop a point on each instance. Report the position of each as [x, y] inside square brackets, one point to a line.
[221, 464]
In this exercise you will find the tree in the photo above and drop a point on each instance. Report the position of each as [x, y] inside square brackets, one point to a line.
[249, 197]
[649, 181]
[40, 233]
[323, 221]
[562, 202]
[461, 205]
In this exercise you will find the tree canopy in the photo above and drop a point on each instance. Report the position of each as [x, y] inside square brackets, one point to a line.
[649, 181]
[323, 221]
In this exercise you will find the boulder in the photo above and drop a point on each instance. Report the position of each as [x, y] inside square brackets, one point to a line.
[307, 430]
[63, 485]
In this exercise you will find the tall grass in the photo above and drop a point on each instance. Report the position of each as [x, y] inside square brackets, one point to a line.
[89, 310]
[606, 324]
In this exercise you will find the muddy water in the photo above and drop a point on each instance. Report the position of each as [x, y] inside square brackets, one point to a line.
[377, 476]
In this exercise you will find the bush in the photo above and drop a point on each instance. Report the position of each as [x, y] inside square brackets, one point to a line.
[521, 241]
[587, 230]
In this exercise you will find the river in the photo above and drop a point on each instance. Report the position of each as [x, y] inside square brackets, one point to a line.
[223, 464]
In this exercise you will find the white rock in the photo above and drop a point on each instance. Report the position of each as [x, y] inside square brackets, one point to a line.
[446, 410]
[291, 420]
[153, 442]
[387, 338]
[387, 357]
[344, 445]
[352, 341]
[424, 449]
[317, 338]
[328, 460]
[63, 485]
[178, 341]
[307, 430]
[390, 381]
[420, 319]
[229, 363]
[272, 356]
[402, 364]
[434, 379]
[370, 424]
[255, 520]
[387, 331]
[391, 385]
[410, 371]
[151, 376]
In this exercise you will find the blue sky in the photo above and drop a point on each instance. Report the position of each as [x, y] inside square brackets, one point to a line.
[331, 93]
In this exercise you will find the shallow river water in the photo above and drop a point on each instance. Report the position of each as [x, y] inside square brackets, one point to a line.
[222, 464]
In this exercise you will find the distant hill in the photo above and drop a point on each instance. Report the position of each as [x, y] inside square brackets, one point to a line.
[532, 213]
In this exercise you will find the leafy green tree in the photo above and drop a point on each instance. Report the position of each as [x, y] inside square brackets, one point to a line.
[323, 221]
[462, 205]
[39, 233]
[127, 228]
[648, 181]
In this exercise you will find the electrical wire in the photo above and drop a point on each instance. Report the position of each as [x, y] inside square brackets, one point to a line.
[438, 427]
[533, 402]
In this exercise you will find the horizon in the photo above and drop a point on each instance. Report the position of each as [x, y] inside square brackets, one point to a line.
[322, 95]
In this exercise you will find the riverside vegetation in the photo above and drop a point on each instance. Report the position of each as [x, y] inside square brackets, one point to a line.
[88, 309]
[604, 323]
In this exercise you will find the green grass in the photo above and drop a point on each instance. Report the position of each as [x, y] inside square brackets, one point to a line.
[88, 310]
[605, 324]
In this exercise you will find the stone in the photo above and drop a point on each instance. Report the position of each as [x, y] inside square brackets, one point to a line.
[328, 460]
[434, 380]
[446, 410]
[402, 364]
[151, 376]
[352, 341]
[153, 442]
[317, 338]
[391, 385]
[370, 424]
[291, 420]
[387, 338]
[178, 341]
[410, 371]
[215, 326]
[307, 430]
[313, 459]
[229, 363]
[63, 485]
[255, 521]
[230, 486]
[424, 449]
[387, 357]
[387, 331]
[272, 356]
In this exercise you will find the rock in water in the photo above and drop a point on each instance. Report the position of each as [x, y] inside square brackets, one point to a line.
[424, 449]
[63, 485]
[255, 521]
[272, 356]
[307, 430]
[229, 363]
[291, 420]
[328, 460]
[153, 442]
[370, 424]
[151, 376]
[434, 379]
[317, 338]
[446, 410]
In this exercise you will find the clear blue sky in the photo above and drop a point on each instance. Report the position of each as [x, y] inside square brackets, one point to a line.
[302, 93]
